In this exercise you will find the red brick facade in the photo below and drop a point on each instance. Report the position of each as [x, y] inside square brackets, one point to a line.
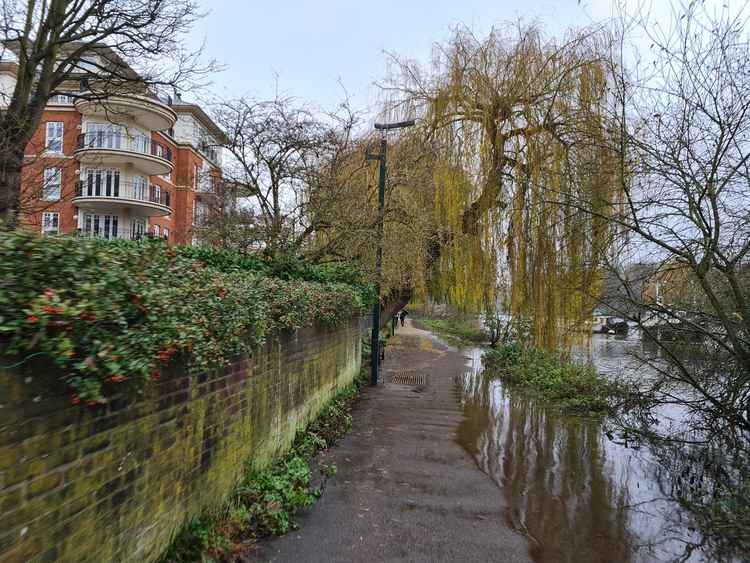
[180, 184]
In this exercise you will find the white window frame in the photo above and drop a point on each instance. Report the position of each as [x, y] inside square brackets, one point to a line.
[52, 179]
[101, 182]
[61, 100]
[157, 230]
[165, 233]
[55, 133]
[104, 135]
[50, 223]
[140, 188]
[101, 225]
[138, 228]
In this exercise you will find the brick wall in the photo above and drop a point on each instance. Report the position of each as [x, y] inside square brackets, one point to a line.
[32, 185]
[116, 484]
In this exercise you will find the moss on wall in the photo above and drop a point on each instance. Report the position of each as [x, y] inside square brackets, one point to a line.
[116, 483]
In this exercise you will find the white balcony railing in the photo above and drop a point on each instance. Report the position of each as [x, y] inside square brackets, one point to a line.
[134, 191]
[119, 141]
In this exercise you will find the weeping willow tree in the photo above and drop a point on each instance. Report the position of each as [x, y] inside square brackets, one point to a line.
[518, 122]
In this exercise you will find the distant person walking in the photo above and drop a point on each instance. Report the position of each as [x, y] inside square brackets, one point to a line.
[402, 315]
[394, 324]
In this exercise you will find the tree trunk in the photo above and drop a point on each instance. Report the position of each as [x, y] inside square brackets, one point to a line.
[11, 164]
[17, 125]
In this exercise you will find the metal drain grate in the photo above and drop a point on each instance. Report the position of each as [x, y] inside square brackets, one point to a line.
[409, 378]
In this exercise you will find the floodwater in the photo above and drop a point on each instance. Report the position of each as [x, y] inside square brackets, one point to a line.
[575, 494]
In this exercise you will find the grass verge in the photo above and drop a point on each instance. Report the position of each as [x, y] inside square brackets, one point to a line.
[266, 501]
[457, 329]
[573, 386]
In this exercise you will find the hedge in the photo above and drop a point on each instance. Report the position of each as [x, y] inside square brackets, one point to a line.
[112, 314]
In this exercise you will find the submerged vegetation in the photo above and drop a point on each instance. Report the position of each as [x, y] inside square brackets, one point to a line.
[573, 386]
[266, 500]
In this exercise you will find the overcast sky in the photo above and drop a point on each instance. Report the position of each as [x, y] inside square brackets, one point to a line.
[312, 45]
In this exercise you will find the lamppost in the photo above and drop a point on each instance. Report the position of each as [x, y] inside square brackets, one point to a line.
[381, 157]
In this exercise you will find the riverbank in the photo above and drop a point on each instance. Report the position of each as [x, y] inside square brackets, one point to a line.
[456, 331]
[455, 327]
[572, 386]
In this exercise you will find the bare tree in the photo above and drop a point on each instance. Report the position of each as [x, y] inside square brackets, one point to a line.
[278, 149]
[54, 43]
[686, 198]
[226, 220]
[681, 262]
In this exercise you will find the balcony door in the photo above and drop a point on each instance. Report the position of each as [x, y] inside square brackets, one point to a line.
[97, 225]
[137, 228]
[102, 182]
[104, 135]
[140, 188]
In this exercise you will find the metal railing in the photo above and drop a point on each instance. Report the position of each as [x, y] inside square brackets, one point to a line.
[119, 233]
[120, 141]
[123, 190]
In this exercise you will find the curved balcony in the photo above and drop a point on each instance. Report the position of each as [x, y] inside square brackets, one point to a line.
[100, 148]
[149, 113]
[141, 200]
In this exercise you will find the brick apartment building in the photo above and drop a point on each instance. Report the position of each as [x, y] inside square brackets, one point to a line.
[124, 166]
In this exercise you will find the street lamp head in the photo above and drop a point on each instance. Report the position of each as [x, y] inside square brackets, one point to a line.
[398, 125]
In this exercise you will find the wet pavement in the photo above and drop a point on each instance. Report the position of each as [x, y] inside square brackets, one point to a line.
[406, 490]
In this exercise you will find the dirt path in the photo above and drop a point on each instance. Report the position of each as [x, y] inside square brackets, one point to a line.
[405, 489]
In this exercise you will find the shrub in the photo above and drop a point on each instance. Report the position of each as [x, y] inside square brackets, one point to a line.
[112, 314]
[285, 267]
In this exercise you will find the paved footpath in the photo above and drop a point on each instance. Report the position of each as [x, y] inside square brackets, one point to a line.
[405, 489]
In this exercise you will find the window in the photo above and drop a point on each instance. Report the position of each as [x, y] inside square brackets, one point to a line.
[61, 99]
[140, 188]
[50, 223]
[102, 182]
[165, 232]
[137, 229]
[52, 184]
[157, 230]
[205, 181]
[104, 135]
[104, 226]
[142, 143]
[89, 64]
[201, 212]
[54, 136]
[196, 173]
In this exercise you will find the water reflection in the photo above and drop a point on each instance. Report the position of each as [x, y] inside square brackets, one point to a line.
[578, 496]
